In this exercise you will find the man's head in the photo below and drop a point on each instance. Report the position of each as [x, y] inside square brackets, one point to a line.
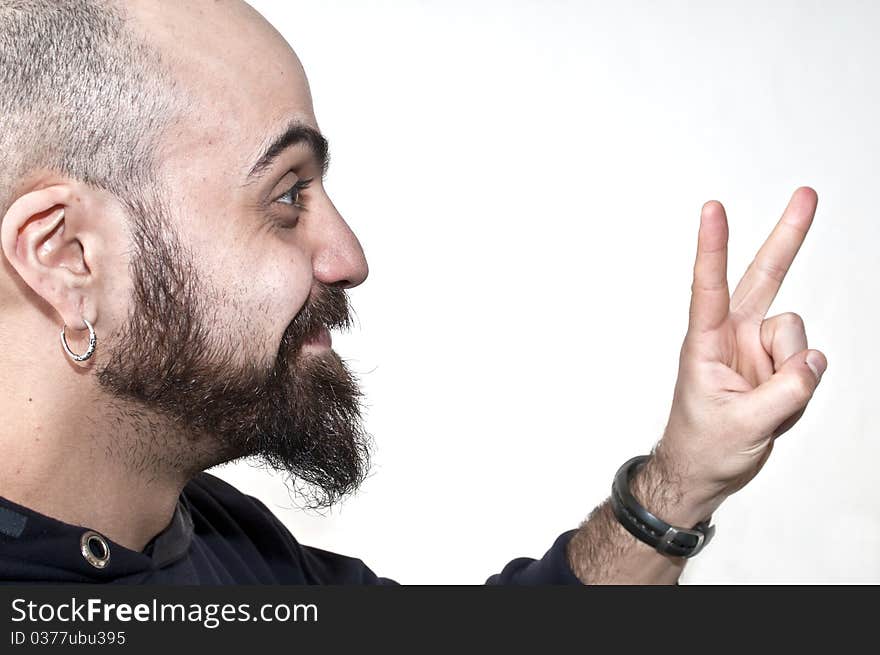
[180, 141]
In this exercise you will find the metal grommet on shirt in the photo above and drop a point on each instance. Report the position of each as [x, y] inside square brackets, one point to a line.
[94, 549]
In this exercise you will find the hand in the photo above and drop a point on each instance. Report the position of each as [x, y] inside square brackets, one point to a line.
[743, 380]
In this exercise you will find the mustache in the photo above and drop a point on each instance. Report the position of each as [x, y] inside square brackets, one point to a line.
[327, 307]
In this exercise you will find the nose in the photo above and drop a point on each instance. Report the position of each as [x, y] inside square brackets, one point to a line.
[338, 258]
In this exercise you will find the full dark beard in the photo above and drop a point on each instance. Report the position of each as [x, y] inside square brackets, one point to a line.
[302, 416]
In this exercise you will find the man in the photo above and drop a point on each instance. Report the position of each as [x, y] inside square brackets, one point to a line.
[162, 205]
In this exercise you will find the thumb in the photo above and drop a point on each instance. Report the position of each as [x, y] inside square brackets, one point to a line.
[789, 389]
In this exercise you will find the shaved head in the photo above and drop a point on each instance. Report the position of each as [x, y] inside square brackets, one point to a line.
[81, 93]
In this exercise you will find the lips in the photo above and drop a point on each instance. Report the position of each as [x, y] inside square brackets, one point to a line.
[321, 338]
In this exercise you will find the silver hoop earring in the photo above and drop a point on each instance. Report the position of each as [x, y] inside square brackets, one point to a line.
[93, 340]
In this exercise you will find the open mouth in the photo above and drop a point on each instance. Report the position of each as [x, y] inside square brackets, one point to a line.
[320, 338]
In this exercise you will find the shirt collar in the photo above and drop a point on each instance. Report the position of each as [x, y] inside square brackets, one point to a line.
[36, 547]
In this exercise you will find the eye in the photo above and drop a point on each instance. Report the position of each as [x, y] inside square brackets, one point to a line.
[291, 196]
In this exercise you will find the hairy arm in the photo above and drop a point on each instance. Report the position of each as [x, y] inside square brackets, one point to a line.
[603, 552]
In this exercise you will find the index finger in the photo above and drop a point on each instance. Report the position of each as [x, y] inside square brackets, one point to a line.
[758, 287]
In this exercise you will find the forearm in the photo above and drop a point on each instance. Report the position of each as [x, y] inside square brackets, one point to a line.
[603, 552]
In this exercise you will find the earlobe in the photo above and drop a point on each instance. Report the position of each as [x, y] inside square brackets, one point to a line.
[44, 251]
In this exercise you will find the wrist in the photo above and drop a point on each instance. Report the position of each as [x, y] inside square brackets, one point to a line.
[663, 487]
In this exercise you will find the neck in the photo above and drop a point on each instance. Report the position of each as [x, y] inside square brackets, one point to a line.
[89, 464]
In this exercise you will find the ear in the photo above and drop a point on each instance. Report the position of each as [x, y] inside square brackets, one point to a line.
[47, 237]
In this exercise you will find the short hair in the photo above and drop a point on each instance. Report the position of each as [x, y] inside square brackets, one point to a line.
[81, 94]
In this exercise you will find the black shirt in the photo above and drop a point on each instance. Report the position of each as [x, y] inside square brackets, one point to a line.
[218, 535]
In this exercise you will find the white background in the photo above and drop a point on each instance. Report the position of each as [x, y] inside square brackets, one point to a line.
[526, 180]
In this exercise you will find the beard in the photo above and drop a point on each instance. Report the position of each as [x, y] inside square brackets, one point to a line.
[299, 414]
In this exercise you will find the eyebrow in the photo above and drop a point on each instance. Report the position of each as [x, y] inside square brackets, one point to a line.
[294, 134]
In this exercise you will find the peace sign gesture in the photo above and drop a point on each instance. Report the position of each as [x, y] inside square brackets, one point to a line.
[743, 379]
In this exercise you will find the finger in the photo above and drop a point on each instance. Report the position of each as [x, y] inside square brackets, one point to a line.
[758, 287]
[782, 336]
[786, 392]
[710, 296]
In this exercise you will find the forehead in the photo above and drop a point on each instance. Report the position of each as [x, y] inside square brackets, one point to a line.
[240, 81]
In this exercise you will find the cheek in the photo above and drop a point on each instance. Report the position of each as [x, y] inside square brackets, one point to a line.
[280, 287]
[264, 281]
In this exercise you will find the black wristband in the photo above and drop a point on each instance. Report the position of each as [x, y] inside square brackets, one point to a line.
[644, 526]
